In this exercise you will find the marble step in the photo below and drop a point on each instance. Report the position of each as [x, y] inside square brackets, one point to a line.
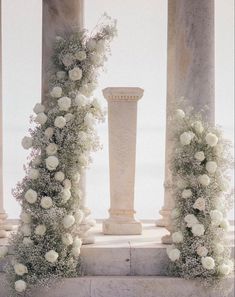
[127, 286]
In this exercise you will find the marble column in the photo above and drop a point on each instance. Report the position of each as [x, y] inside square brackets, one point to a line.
[190, 71]
[60, 18]
[122, 120]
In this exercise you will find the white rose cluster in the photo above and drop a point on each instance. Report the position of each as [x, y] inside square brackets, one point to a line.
[186, 138]
[49, 132]
[216, 217]
[198, 230]
[80, 55]
[59, 176]
[26, 217]
[67, 239]
[191, 220]
[202, 251]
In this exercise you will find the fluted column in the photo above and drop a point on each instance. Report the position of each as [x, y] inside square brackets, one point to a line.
[122, 119]
[190, 71]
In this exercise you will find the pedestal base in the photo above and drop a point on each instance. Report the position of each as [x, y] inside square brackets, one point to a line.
[164, 221]
[114, 227]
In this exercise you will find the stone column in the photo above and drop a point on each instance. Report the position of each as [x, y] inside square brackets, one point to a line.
[60, 18]
[190, 70]
[122, 114]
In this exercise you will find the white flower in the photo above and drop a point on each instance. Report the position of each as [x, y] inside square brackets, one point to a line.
[77, 242]
[200, 204]
[225, 224]
[218, 149]
[204, 180]
[33, 173]
[83, 159]
[91, 44]
[96, 59]
[20, 286]
[41, 118]
[60, 74]
[76, 177]
[49, 132]
[224, 269]
[216, 217]
[186, 138]
[46, 202]
[64, 103]
[200, 156]
[86, 90]
[60, 122]
[177, 237]
[211, 139]
[89, 120]
[186, 193]
[80, 100]
[67, 184]
[3, 251]
[68, 221]
[56, 92]
[59, 176]
[36, 161]
[67, 60]
[80, 55]
[26, 217]
[198, 229]
[202, 251]
[67, 239]
[52, 162]
[27, 241]
[79, 216]
[174, 254]
[38, 108]
[27, 142]
[198, 127]
[31, 196]
[26, 229]
[100, 46]
[211, 167]
[20, 269]
[76, 251]
[181, 184]
[208, 263]
[224, 184]
[65, 195]
[75, 74]
[68, 117]
[51, 149]
[179, 114]
[51, 256]
[175, 213]
[191, 220]
[96, 104]
[218, 248]
[40, 230]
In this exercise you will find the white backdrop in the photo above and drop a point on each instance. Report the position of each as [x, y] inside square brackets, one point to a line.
[138, 59]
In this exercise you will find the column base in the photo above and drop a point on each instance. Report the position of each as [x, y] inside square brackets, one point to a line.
[164, 221]
[116, 227]
[167, 239]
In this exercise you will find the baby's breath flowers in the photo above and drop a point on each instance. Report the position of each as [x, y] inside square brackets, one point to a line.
[200, 159]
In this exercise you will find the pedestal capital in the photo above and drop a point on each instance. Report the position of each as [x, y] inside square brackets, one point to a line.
[123, 93]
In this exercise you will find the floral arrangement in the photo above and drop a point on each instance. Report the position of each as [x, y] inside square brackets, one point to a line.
[47, 244]
[199, 163]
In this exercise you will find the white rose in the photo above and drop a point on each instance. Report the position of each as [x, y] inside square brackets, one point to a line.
[181, 184]
[75, 74]
[60, 75]
[65, 195]
[211, 167]
[51, 149]
[59, 176]
[198, 230]
[33, 173]
[68, 117]
[27, 241]
[86, 90]
[79, 216]
[56, 92]
[208, 263]
[186, 138]
[83, 159]
[26, 229]
[91, 44]
[225, 224]
[64, 103]
[27, 142]
[31, 196]
[80, 100]
[96, 59]
[204, 180]
[218, 203]
[175, 213]
[174, 254]
[49, 132]
[211, 139]
[89, 120]
[36, 161]
[51, 256]
[198, 127]
[200, 156]
[38, 108]
[40, 230]
[218, 248]
[100, 46]
[67, 184]
[216, 217]
[3, 251]
[20, 286]
[52, 162]
[41, 118]
[96, 103]
[218, 149]
[26, 217]
[191, 220]
[67, 239]
[200, 204]
[224, 269]
[224, 184]
[67, 60]
[76, 252]
[76, 177]
[202, 251]
[68, 221]
[46, 202]
[177, 237]
[77, 242]
[80, 55]
[20, 269]
[186, 193]
[60, 122]
[179, 113]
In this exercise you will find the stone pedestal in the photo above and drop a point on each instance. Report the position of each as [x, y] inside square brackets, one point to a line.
[122, 114]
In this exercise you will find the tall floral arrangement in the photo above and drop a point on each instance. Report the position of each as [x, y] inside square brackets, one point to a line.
[199, 164]
[47, 244]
